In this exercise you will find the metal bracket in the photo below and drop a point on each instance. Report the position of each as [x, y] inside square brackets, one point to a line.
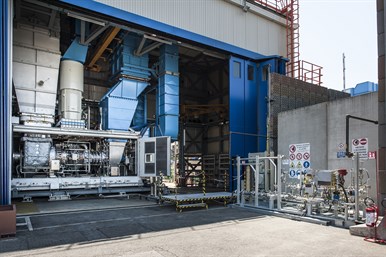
[158, 42]
[59, 197]
[27, 199]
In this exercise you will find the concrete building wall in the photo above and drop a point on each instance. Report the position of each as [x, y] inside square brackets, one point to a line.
[305, 125]
[288, 94]
[324, 127]
[381, 96]
[257, 29]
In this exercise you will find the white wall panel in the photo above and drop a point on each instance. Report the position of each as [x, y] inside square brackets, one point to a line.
[256, 30]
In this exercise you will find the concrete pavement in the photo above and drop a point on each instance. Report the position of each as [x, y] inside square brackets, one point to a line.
[161, 231]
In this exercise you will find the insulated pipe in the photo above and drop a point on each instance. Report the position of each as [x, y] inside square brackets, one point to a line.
[238, 180]
[71, 89]
[348, 153]
[74, 132]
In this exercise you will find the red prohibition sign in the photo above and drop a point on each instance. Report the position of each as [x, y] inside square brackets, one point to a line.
[299, 156]
[292, 157]
[306, 156]
[292, 148]
[363, 141]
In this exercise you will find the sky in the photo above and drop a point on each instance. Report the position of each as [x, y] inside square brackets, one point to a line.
[329, 28]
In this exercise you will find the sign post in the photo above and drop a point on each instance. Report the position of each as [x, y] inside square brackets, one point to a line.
[360, 146]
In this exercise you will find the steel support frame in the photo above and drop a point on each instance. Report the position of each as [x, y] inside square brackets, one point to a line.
[200, 82]
[256, 160]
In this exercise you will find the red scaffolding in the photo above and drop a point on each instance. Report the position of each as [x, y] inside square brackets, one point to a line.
[296, 68]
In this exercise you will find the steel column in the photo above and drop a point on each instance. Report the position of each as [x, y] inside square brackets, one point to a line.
[5, 100]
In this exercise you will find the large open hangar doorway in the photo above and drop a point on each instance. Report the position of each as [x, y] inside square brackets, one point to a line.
[209, 97]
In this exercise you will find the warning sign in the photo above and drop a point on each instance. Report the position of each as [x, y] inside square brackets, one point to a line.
[360, 146]
[372, 155]
[341, 146]
[300, 156]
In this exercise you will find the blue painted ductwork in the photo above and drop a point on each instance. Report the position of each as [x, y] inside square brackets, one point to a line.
[76, 52]
[120, 104]
[125, 63]
[168, 92]
[123, 106]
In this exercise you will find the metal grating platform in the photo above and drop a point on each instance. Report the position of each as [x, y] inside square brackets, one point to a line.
[183, 201]
[197, 196]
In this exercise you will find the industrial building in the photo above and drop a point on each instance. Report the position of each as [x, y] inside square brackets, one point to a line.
[89, 79]
[105, 97]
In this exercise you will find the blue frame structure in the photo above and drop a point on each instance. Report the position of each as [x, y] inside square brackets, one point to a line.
[5, 104]
[247, 91]
[165, 28]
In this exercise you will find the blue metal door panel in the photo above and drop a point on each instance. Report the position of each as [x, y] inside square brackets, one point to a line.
[236, 113]
[251, 103]
[236, 105]
[262, 94]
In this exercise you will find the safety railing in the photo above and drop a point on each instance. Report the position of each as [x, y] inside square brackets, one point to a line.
[310, 72]
[279, 6]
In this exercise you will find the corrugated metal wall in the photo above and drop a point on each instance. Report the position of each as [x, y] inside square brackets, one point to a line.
[223, 20]
[5, 101]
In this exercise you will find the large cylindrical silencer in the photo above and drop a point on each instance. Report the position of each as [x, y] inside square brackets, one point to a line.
[71, 89]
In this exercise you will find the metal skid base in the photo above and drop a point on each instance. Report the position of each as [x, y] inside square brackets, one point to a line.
[183, 201]
[62, 188]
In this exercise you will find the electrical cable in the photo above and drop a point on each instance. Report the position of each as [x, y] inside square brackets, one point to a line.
[344, 191]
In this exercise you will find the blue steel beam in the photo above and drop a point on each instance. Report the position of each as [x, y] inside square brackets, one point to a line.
[160, 27]
[5, 102]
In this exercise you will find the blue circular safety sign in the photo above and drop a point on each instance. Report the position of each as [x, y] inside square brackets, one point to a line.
[306, 164]
[292, 173]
